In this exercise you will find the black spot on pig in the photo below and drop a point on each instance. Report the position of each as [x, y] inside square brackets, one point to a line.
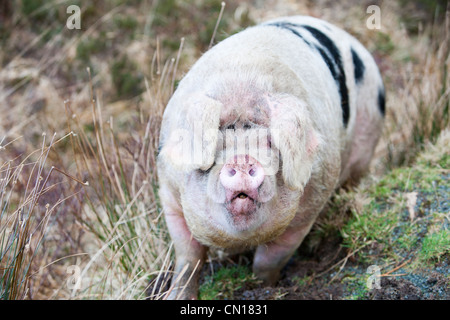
[358, 66]
[332, 57]
[381, 101]
[290, 27]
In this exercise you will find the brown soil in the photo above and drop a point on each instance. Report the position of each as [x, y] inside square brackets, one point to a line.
[326, 281]
[324, 275]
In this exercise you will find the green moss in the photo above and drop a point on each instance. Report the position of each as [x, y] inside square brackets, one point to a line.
[421, 177]
[370, 226]
[382, 231]
[406, 241]
[435, 245]
[224, 282]
[356, 286]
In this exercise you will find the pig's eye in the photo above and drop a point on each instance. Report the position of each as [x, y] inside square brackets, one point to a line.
[231, 127]
[207, 170]
[247, 126]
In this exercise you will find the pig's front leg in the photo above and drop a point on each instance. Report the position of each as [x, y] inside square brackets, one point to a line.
[190, 255]
[271, 257]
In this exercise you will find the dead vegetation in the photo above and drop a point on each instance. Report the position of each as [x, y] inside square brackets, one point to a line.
[79, 121]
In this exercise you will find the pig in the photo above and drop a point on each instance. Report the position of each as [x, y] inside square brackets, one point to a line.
[259, 133]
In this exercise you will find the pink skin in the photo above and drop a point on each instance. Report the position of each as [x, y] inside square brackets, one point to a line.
[271, 257]
[190, 257]
[262, 80]
[190, 253]
[246, 205]
[241, 177]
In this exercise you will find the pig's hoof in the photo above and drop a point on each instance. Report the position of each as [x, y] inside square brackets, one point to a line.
[268, 277]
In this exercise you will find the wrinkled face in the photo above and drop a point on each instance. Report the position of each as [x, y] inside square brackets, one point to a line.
[241, 197]
[242, 179]
[244, 161]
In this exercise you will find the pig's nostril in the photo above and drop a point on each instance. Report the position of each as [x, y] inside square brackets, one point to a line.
[242, 173]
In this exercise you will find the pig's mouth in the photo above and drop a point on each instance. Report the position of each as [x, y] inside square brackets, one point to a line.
[248, 195]
[242, 195]
[241, 206]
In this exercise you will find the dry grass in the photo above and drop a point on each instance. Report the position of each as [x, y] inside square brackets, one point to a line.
[418, 109]
[84, 205]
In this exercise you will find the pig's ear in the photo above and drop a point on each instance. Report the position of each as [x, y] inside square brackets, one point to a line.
[193, 138]
[295, 138]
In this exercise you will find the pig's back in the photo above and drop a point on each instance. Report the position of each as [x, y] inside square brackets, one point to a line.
[303, 56]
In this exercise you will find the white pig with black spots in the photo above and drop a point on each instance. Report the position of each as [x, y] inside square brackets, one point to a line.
[258, 135]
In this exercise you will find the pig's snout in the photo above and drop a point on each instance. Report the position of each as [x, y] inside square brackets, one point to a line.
[243, 173]
[241, 177]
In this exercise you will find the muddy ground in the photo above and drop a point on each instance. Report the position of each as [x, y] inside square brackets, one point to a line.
[330, 272]
[325, 269]
[322, 275]
[325, 284]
